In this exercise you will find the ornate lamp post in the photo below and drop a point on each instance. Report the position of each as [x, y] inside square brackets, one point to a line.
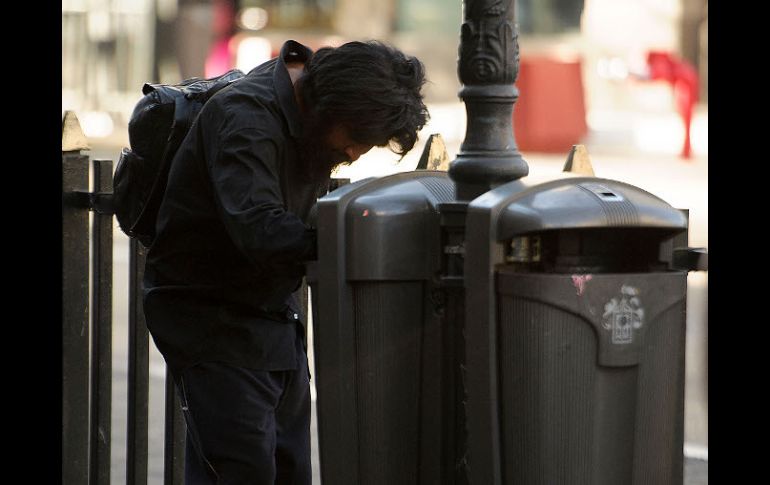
[487, 68]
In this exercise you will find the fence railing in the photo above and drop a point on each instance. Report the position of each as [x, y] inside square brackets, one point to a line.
[87, 332]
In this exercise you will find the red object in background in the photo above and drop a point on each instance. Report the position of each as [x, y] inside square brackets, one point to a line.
[684, 82]
[221, 57]
[550, 114]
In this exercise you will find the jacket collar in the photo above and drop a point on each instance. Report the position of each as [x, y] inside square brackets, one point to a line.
[291, 51]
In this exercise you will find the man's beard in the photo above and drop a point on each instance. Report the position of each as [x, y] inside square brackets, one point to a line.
[316, 157]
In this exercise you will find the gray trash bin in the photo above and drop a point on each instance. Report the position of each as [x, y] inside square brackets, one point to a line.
[575, 331]
[379, 363]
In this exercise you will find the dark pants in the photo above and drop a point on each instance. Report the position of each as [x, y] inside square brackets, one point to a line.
[246, 426]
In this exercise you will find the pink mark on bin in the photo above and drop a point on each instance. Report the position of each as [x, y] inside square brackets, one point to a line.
[579, 281]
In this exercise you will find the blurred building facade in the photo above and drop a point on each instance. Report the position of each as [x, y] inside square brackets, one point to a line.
[111, 47]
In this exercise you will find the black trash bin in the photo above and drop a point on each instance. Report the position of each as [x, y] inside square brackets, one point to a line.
[379, 363]
[575, 335]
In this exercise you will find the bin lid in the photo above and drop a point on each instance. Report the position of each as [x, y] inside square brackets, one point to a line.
[574, 202]
[388, 226]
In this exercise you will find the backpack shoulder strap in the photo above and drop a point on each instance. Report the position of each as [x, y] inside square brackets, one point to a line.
[182, 111]
[188, 98]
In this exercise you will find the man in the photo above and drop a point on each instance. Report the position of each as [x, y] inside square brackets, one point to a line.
[233, 236]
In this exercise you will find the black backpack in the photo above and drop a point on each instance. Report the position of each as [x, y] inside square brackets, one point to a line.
[158, 124]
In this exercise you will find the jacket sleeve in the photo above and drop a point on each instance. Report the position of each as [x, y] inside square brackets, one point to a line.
[246, 185]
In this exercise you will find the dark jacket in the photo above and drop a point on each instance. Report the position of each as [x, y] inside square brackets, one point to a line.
[231, 231]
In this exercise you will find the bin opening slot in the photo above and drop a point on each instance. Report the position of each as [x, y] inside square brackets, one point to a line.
[595, 250]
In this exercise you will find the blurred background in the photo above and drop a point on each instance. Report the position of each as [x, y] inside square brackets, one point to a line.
[626, 78]
[586, 63]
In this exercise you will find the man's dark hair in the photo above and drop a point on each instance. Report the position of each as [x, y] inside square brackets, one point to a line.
[371, 89]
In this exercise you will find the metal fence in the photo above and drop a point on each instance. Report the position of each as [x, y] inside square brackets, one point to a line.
[87, 332]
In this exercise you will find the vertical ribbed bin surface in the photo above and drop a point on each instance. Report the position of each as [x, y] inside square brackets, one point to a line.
[388, 338]
[547, 385]
[661, 395]
[581, 405]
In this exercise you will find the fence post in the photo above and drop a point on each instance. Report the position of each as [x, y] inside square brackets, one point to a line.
[138, 371]
[75, 331]
[101, 317]
[86, 405]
